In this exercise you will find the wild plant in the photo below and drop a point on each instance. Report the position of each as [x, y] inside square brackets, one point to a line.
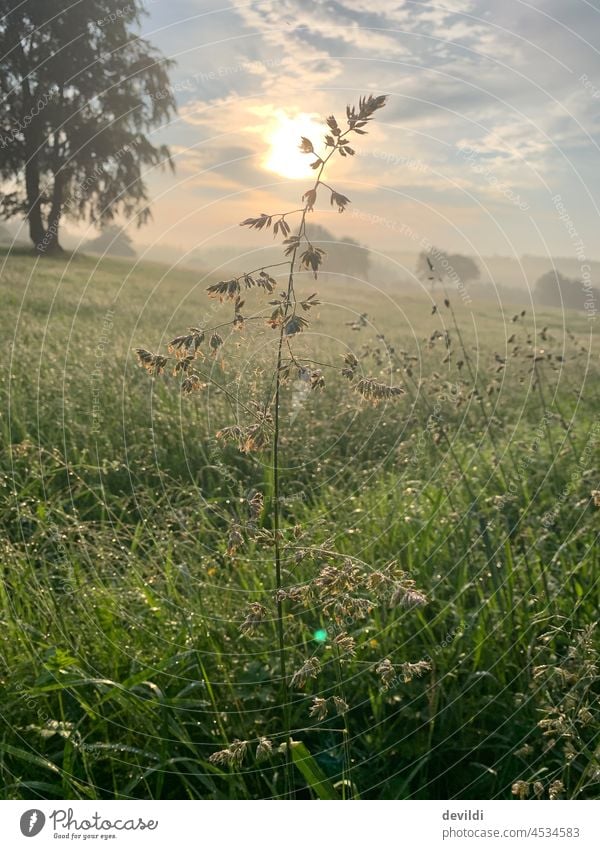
[340, 591]
[563, 755]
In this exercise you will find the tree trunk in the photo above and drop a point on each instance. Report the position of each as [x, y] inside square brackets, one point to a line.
[32, 143]
[49, 243]
[34, 200]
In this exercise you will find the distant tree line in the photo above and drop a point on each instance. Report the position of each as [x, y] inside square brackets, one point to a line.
[554, 289]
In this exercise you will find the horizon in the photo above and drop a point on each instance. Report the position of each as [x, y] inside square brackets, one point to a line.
[474, 152]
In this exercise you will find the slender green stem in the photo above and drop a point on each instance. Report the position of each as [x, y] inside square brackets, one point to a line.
[346, 762]
[545, 416]
[278, 583]
[275, 468]
[475, 382]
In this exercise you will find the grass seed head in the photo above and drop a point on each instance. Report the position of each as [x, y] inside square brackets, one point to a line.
[386, 672]
[309, 669]
[318, 709]
[264, 749]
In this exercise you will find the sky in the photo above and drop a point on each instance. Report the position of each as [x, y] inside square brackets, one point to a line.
[488, 144]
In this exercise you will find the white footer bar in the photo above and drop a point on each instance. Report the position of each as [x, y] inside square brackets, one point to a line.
[301, 824]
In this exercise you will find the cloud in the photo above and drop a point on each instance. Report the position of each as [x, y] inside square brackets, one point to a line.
[502, 78]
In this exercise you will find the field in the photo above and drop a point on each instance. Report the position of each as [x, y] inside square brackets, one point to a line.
[129, 562]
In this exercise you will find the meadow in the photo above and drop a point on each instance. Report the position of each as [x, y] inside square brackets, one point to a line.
[129, 561]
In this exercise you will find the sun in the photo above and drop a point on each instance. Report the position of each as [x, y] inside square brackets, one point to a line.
[284, 157]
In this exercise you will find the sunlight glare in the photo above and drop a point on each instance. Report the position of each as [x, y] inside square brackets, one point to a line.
[284, 157]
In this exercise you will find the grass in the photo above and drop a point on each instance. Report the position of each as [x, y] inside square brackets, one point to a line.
[121, 661]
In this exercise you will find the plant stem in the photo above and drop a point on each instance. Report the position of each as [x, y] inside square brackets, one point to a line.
[275, 468]
[280, 630]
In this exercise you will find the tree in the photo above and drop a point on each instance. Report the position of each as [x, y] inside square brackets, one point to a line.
[435, 265]
[112, 240]
[344, 255]
[465, 268]
[79, 93]
[553, 289]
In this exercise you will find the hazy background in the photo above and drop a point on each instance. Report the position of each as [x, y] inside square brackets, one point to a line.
[493, 111]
